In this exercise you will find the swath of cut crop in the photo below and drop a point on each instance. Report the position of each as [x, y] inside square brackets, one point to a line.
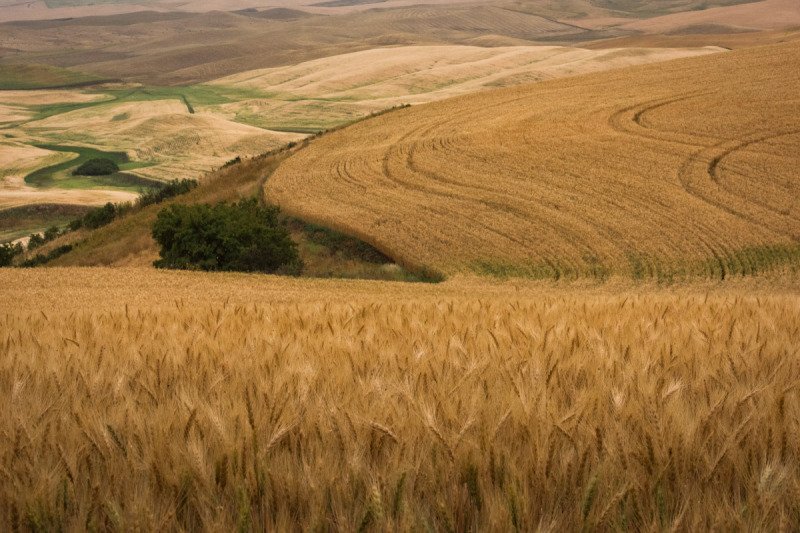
[679, 169]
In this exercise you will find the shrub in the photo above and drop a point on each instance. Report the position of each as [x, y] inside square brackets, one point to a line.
[235, 161]
[7, 253]
[51, 233]
[344, 245]
[242, 237]
[76, 224]
[100, 166]
[171, 189]
[35, 241]
[41, 259]
[100, 216]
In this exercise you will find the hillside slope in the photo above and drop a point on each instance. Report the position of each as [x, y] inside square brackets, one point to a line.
[182, 48]
[764, 15]
[681, 168]
[327, 92]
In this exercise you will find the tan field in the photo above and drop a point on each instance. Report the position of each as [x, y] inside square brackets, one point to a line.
[179, 143]
[327, 91]
[20, 196]
[13, 114]
[185, 48]
[47, 97]
[731, 41]
[141, 400]
[603, 330]
[313, 95]
[685, 167]
[11, 10]
[764, 15]
[15, 105]
[17, 159]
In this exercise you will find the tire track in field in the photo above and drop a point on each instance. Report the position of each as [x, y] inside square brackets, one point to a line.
[636, 114]
[487, 195]
[623, 121]
[700, 171]
[716, 176]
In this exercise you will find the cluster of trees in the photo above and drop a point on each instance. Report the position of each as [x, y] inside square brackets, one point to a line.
[38, 239]
[41, 259]
[171, 189]
[92, 219]
[100, 216]
[8, 252]
[244, 237]
[100, 166]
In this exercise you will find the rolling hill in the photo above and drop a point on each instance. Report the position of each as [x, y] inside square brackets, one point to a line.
[763, 15]
[185, 131]
[190, 42]
[182, 48]
[330, 91]
[682, 168]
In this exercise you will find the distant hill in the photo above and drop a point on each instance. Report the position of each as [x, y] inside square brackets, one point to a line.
[152, 45]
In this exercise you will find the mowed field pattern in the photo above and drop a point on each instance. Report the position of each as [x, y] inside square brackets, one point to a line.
[682, 168]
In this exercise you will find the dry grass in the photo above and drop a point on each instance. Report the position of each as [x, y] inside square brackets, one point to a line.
[163, 132]
[764, 15]
[262, 403]
[329, 91]
[683, 168]
[48, 97]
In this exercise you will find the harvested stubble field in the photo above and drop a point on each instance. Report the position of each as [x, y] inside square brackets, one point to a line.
[334, 90]
[684, 168]
[142, 400]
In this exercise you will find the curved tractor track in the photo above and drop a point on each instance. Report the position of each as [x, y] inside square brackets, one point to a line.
[688, 167]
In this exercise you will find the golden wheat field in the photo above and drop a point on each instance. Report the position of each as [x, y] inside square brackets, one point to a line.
[155, 401]
[332, 90]
[683, 168]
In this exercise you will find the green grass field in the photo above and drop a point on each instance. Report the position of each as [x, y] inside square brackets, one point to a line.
[60, 175]
[192, 96]
[25, 77]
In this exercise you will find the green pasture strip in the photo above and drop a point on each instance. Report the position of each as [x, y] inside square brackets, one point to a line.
[45, 177]
[31, 77]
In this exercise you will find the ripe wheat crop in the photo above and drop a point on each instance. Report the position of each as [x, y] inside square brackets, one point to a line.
[683, 168]
[267, 404]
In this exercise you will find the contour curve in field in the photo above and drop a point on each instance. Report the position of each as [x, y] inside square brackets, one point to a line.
[681, 168]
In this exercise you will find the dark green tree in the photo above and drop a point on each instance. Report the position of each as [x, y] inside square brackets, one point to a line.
[7, 253]
[243, 237]
[35, 241]
[100, 216]
[100, 166]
